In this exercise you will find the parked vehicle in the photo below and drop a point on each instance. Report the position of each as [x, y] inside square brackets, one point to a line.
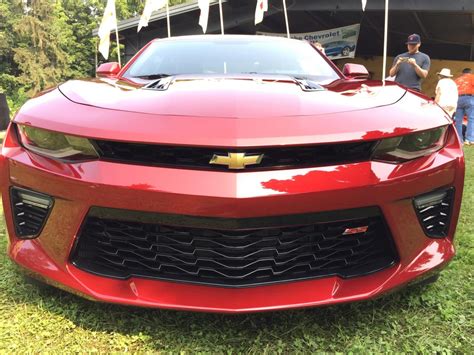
[342, 48]
[231, 174]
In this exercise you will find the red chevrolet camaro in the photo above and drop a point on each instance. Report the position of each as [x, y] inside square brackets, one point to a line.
[231, 174]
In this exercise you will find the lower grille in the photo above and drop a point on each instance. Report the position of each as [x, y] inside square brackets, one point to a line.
[233, 257]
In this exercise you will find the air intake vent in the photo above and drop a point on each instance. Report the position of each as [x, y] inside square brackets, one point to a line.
[434, 212]
[30, 211]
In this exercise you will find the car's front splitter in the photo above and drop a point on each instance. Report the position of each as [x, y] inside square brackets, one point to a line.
[180, 296]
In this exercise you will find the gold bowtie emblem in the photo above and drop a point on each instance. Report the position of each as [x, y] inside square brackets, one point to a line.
[236, 160]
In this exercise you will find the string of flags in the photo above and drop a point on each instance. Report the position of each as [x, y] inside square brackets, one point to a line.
[109, 19]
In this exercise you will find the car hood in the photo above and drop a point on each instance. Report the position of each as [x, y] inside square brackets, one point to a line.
[229, 97]
[232, 113]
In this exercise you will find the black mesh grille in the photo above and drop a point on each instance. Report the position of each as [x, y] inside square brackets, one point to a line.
[199, 158]
[434, 212]
[122, 249]
[30, 210]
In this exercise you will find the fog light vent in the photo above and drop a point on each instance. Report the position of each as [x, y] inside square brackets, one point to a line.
[434, 212]
[30, 211]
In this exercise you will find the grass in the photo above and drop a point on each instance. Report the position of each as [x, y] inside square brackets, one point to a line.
[437, 318]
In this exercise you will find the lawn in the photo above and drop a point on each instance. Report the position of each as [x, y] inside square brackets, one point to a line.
[437, 318]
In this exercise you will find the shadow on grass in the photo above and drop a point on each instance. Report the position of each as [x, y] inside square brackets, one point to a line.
[160, 327]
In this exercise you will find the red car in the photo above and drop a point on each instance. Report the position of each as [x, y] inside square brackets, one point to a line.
[231, 174]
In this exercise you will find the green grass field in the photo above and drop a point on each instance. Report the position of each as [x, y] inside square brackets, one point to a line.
[437, 318]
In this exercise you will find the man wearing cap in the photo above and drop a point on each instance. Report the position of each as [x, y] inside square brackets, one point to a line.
[411, 67]
[446, 92]
[465, 84]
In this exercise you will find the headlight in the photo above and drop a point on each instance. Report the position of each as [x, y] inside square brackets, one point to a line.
[411, 146]
[56, 145]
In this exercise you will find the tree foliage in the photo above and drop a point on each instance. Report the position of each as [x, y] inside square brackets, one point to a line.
[10, 12]
[41, 51]
[45, 42]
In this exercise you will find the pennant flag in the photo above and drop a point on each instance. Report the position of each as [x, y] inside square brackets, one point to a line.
[364, 2]
[204, 17]
[262, 6]
[108, 24]
[150, 6]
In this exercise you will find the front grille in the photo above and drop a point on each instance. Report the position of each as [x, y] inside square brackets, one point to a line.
[434, 212]
[233, 257]
[30, 211]
[199, 158]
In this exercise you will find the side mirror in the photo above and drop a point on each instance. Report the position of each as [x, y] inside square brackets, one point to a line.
[355, 71]
[108, 69]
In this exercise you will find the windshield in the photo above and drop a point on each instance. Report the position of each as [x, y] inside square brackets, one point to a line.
[232, 56]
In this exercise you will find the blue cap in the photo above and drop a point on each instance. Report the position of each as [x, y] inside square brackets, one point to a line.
[413, 39]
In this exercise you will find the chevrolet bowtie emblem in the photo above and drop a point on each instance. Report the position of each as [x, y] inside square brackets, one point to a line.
[236, 160]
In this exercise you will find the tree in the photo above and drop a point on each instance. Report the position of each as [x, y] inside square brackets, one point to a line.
[42, 48]
[10, 13]
[82, 17]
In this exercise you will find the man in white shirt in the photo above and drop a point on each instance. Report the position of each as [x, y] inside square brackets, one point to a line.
[447, 92]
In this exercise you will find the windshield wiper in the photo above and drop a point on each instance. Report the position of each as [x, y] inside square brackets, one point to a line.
[153, 76]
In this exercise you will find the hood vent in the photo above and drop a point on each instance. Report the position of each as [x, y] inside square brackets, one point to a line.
[308, 85]
[161, 84]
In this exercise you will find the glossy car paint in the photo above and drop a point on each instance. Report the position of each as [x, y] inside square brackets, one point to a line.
[230, 112]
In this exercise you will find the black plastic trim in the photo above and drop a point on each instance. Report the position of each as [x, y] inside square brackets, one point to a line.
[233, 223]
[206, 153]
[31, 192]
[450, 190]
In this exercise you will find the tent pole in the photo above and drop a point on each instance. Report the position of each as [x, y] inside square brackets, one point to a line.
[385, 38]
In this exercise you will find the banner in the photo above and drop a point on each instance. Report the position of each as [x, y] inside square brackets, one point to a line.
[338, 42]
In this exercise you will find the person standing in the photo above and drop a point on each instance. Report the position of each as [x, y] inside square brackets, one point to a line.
[447, 92]
[4, 113]
[410, 68]
[465, 84]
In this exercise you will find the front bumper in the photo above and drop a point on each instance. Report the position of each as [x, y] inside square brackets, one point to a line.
[76, 188]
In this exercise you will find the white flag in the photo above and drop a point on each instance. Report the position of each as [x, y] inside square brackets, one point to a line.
[364, 2]
[262, 6]
[150, 6]
[108, 24]
[204, 17]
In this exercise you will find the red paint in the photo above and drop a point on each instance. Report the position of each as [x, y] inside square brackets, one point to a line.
[351, 231]
[236, 112]
[108, 69]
